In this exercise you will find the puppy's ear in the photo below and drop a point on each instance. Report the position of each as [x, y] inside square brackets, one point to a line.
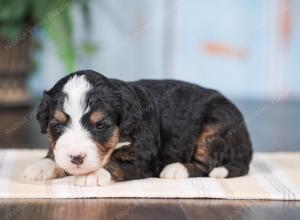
[43, 112]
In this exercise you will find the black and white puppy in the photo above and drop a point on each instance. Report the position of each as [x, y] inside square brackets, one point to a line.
[102, 130]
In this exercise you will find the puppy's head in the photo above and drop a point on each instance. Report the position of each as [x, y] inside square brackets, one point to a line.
[82, 115]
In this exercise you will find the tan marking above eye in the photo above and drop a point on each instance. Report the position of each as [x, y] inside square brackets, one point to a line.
[96, 117]
[60, 116]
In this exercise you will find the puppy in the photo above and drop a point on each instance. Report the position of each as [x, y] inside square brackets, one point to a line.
[105, 130]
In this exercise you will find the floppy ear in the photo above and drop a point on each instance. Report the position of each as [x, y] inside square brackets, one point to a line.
[43, 112]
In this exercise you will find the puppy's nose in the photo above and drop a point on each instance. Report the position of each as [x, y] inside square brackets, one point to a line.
[77, 159]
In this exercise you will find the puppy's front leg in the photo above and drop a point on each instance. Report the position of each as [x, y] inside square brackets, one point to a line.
[125, 165]
[43, 169]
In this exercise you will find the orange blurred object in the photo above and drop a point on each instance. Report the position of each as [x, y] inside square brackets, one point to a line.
[222, 49]
[285, 20]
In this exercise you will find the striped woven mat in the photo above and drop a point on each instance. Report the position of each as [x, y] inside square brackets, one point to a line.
[273, 176]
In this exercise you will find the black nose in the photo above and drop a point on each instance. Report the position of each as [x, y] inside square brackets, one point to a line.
[77, 159]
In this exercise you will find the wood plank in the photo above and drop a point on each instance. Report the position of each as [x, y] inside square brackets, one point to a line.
[152, 209]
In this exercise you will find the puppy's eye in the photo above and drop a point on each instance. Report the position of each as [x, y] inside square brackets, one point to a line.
[57, 125]
[99, 125]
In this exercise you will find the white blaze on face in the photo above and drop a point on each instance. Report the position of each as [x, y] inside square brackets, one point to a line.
[76, 140]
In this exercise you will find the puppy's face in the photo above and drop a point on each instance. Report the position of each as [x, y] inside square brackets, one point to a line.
[82, 132]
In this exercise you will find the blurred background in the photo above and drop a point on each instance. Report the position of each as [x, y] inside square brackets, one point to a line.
[248, 50]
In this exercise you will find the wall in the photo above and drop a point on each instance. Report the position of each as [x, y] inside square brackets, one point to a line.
[246, 49]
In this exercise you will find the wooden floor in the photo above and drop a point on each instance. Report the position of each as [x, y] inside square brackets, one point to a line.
[273, 126]
[151, 209]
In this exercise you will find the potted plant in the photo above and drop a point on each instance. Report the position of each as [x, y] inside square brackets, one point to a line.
[19, 19]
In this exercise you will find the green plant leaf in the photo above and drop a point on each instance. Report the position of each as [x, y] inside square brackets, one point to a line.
[13, 15]
[53, 16]
[40, 10]
[58, 26]
[13, 10]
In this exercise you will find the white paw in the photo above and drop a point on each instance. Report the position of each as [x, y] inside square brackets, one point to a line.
[174, 171]
[99, 178]
[219, 172]
[43, 169]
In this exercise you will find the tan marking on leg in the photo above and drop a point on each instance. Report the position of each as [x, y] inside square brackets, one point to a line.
[116, 171]
[207, 135]
[124, 154]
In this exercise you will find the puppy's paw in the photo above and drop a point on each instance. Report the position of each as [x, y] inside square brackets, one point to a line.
[219, 172]
[100, 177]
[43, 169]
[174, 171]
